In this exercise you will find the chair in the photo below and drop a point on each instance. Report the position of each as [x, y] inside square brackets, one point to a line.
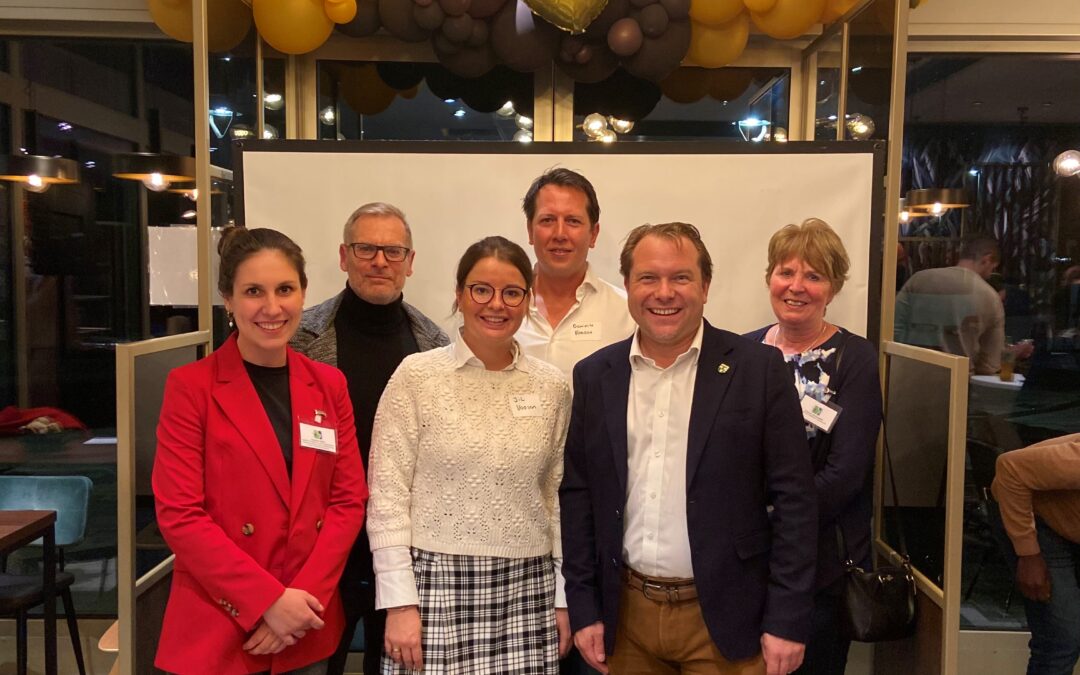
[69, 497]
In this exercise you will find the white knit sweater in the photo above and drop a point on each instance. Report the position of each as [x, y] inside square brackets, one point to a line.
[454, 470]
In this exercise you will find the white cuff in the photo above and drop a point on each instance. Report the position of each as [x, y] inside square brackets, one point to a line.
[395, 583]
[560, 585]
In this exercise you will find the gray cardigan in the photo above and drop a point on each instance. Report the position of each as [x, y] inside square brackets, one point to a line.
[317, 339]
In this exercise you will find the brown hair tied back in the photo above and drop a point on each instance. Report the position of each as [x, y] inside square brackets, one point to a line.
[237, 244]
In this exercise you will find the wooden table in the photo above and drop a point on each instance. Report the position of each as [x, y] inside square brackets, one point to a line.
[19, 528]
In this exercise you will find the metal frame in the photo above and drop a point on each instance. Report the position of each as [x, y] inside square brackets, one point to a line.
[947, 598]
[127, 586]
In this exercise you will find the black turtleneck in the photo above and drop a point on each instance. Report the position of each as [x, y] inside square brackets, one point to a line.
[371, 341]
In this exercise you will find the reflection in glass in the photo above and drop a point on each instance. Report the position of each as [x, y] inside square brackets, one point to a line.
[827, 106]
[733, 104]
[869, 77]
[414, 101]
[919, 454]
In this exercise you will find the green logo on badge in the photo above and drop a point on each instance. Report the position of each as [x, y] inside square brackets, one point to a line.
[817, 410]
[317, 434]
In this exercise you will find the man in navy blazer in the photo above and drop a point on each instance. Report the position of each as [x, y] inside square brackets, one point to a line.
[689, 517]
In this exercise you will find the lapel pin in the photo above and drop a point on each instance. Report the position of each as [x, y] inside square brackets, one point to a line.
[319, 415]
[723, 368]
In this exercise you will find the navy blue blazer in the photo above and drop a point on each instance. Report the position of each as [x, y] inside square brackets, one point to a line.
[754, 568]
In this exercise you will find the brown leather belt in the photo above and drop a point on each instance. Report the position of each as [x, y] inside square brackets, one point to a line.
[659, 589]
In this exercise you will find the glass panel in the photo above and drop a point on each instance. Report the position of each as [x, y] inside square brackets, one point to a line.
[960, 133]
[233, 100]
[8, 260]
[915, 521]
[406, 101]
[100, 71]
[273, 98]
[869, 83]
[722, 104]
[827, 105]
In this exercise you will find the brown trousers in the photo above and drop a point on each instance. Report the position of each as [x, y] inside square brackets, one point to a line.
[669, 638]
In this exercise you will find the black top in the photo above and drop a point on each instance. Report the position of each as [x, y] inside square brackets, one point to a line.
[844, 458]
[272, 385]
[372, 340]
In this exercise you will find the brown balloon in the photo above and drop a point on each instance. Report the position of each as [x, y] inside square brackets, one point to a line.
[480, 34]
[467, 61]
[659, 56]
[423, 3]
[625, 37]
[430, 17]
[454, 7]
[523, 41]
[653, 20]
[613, 11]
[458, 28]
[397, 18]
[676, 9]
[686, 85]
[443, 45]
[599, 67]
[728, 84]
[366, 22]
[362, 88]
[482, 9]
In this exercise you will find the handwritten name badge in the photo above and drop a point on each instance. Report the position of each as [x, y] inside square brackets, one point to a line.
[585, 331]
[323, 439]
[525, 405]
[821, 415]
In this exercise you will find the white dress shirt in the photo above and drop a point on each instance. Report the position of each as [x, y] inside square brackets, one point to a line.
[656, 541]
[598, 318]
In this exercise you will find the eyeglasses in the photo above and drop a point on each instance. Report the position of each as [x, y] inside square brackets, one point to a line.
[369, 251]
[482, 294]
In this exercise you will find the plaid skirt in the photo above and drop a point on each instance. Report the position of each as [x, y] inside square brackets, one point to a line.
[483, 615]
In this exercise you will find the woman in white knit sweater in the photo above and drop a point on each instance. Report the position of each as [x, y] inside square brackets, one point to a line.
[466, 460]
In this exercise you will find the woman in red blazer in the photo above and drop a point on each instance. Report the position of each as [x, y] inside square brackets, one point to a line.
[259, 486]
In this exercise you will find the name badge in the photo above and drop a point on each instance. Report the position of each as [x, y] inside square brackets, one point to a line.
[323, 439]
[585, 331]
[821, 415]
[525, 405]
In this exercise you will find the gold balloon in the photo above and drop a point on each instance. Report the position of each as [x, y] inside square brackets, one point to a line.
[292, 26]
[715, 12]
[572, 16]
[713, 47]
[227, 21]
[341, 11]
[834, 9]
[759, 5]
[789, 18]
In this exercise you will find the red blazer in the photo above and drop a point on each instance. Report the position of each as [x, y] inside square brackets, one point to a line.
[240, 529]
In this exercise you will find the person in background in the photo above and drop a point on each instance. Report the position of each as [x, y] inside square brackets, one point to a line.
[366, 330]
[259, 486]
[807, 267]
[572, 312]
[1038, 493]
[679, 439]
[954, 309]
[466, 461]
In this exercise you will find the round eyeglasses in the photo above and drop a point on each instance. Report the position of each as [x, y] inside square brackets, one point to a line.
[369, 251]
[482, 294]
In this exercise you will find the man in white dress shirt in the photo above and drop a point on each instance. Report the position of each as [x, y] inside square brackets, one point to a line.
[572, 312]
[680, 438]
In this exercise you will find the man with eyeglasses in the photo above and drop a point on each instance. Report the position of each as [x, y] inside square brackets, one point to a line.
[572, 312]
[366, 331]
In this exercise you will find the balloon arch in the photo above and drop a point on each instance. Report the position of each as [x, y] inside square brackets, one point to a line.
[588, 39]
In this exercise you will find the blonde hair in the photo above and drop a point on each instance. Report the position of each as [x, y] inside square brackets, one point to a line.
[816, 244]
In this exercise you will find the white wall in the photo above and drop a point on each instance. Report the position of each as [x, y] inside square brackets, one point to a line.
[998, 18]
[129, 11]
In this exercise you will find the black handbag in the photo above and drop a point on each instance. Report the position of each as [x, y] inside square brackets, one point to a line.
[876, 605]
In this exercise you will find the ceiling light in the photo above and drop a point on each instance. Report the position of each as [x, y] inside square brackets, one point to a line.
[459, 113]
[157, 172]
[522, 136]
[327, 116]
[593, 125]
[621, 126]
[273, 101]
[523, 122]
[507, 110]
[936, 201]
[780, 135]
[270, 132]
[37, 172]
[1067, 163]
[607, 136]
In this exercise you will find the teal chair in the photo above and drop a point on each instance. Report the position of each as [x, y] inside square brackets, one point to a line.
[68, 496]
